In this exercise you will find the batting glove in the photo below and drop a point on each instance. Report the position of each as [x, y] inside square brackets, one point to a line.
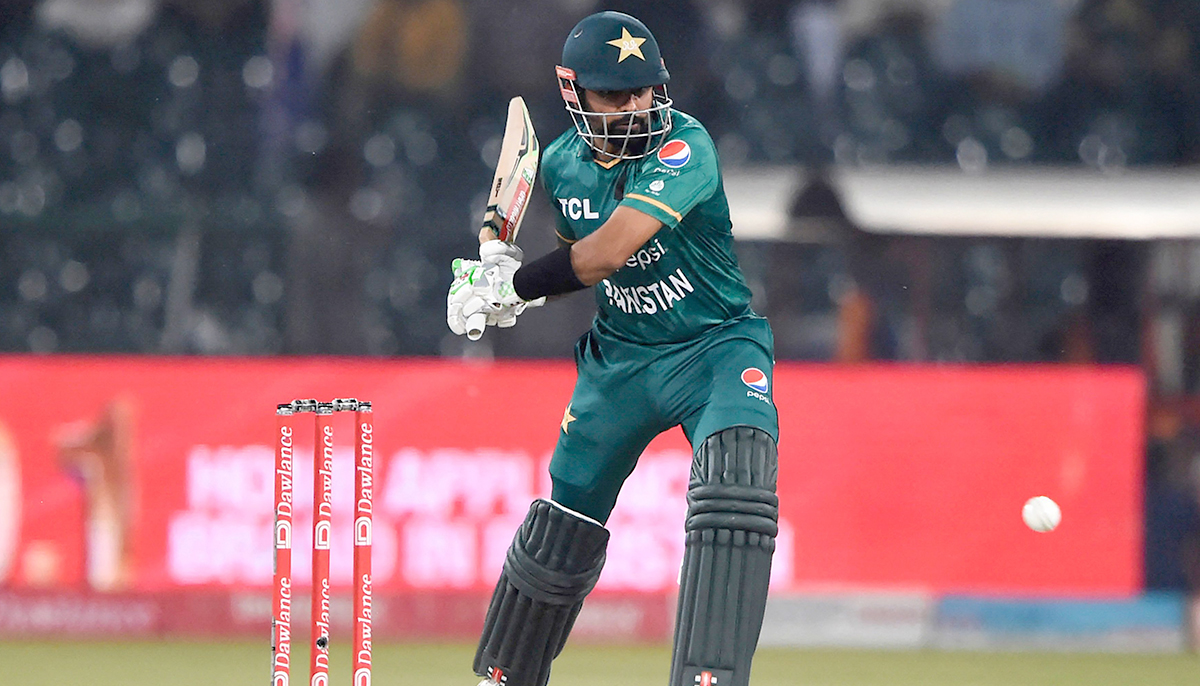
[482, 293]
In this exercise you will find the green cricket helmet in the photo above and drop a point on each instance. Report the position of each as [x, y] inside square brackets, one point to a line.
[611, 51]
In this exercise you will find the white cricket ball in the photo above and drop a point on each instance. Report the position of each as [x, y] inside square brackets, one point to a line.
[1041, 514]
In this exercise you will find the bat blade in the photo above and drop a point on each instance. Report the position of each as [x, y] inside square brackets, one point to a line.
[516, 171]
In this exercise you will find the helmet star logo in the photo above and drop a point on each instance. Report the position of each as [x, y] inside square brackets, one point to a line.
[629, 45]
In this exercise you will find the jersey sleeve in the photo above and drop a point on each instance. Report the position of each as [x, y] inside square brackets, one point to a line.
[680, 176]
[562, 229]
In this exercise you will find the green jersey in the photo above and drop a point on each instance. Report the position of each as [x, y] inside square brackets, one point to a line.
[683, 281]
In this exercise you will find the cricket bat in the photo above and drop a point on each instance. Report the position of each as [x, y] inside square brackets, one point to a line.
[512, 184]
[516, 171]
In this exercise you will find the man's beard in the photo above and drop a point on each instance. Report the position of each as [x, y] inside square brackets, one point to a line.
[629, 135]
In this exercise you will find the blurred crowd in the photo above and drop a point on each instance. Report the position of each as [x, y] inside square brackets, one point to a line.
[252, 177]
[290, 176]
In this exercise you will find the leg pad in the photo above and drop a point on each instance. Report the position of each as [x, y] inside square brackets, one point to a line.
[553, 563]
[732, 522]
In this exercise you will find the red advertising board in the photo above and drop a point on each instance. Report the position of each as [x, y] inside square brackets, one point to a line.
[152, 475]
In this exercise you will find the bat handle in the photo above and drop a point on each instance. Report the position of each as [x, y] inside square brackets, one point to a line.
[475, 325]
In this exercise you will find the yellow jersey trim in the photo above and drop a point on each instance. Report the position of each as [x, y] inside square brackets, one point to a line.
[657, 203]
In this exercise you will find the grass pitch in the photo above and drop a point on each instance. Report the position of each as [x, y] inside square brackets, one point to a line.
[97, 663]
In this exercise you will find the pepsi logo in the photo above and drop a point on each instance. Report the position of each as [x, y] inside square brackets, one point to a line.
[755, 379]
[675, 154]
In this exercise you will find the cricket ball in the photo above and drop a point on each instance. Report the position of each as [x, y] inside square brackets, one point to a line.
[1041, 514]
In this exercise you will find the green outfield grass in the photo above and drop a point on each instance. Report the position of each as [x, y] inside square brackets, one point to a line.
[38, 663]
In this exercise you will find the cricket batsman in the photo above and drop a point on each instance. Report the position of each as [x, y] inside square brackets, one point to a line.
[642, 221]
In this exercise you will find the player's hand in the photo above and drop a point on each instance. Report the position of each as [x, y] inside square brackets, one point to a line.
[482, 293]
[463, 303]
[473, 303]
[506, 257]
[502, 260]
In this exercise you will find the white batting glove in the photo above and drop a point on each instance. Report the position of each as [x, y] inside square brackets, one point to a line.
[502, 254]
[502, 260]
[465, 308]
[482, 293]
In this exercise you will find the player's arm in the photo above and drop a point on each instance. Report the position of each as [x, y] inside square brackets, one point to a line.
[589, 260]
[607, 248]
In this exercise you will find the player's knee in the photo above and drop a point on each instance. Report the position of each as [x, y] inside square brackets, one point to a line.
[732, 487]
[742, 455]
[594, 501]
[564, 579]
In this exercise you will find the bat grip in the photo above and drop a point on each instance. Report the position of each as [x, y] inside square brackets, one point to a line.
[475, 325]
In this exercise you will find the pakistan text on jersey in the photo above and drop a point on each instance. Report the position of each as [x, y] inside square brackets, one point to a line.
[656, 297]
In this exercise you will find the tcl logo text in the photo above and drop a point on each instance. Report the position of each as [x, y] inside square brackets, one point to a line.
[578, 209]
